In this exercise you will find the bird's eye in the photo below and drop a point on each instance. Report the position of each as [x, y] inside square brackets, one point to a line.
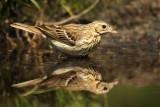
[105, 88]
[104, 26]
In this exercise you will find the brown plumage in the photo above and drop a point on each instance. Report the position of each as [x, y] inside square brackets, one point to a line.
[71, 78]
[72, 39]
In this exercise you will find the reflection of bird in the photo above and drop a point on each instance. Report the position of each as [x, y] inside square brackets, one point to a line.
[71, 78]
[72, 39]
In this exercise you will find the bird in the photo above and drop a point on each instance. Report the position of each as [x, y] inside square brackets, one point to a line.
[74, 78]
[72, 39]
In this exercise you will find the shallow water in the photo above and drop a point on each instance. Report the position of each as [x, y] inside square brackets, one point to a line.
[134, 67]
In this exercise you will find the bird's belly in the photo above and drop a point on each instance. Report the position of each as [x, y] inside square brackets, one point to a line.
[85, 50]
[81, 49]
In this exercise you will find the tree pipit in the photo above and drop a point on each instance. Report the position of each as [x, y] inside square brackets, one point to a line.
[72, 39]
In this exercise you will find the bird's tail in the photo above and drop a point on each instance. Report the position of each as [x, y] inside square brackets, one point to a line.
[25, 27]
[29, 83]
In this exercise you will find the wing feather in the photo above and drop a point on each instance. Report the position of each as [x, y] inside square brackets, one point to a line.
[58, 33]
[67, 34]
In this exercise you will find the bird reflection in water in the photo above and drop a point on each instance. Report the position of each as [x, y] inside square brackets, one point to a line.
[75, 78]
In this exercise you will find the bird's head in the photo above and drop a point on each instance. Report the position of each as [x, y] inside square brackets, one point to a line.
[102, 27]
[103, 87]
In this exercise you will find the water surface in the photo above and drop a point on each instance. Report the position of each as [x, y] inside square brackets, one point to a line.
[135, 67]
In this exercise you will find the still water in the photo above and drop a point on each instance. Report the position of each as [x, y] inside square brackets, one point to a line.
[116, 75]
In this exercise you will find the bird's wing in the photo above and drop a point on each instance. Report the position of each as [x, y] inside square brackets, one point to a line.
[66, 34]
[58, 80]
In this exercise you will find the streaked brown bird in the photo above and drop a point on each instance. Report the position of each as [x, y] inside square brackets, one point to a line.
[72, 39]
[72, 78]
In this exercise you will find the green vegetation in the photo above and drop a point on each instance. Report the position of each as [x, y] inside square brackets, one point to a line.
[37, 10]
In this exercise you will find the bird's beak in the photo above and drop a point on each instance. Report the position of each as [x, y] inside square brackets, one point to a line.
[112, 31]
